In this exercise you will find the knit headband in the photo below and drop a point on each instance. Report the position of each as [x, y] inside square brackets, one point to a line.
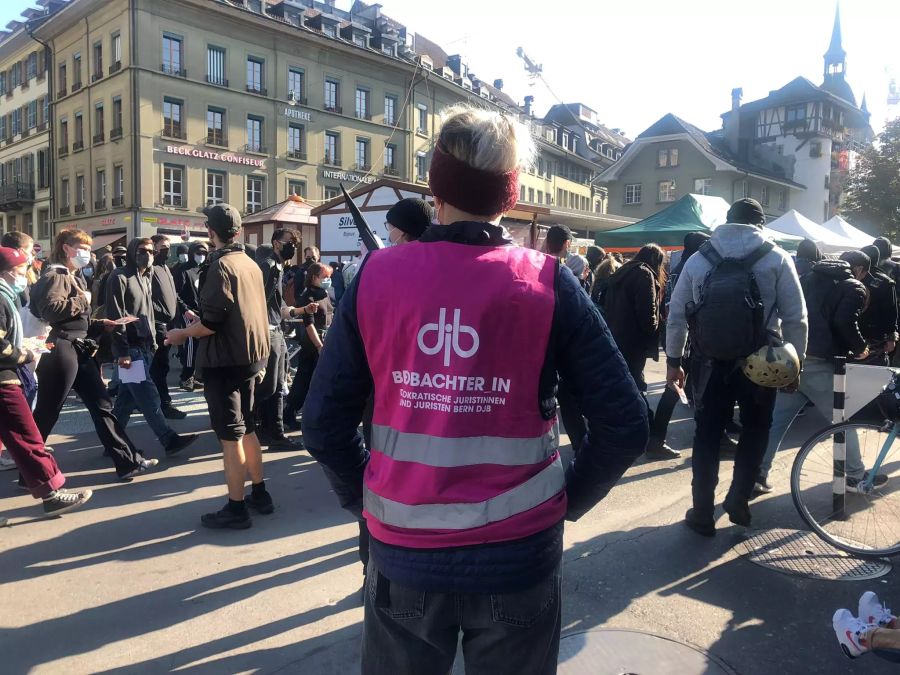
[475, 191]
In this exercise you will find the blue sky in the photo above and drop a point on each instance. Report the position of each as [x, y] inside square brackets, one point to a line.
[635, 60]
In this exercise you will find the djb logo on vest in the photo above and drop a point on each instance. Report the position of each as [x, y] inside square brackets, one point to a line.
[447, 337]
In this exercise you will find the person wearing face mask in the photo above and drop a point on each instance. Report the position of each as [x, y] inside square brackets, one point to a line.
[120, 255]
[25, 245]
[269, 396]
[167, 308]
[129, 295]
[310, 257]
[181, 259]
[188, 283]
[316, 315]
[60, 299]
[18, 431]
[407, 220]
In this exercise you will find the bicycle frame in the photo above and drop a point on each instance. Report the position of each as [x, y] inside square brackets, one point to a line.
[867, 483]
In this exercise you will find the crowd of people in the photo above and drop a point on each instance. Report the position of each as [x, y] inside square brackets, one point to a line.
[434, 418]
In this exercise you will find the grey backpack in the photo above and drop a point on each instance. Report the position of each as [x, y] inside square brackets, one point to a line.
[727, 322]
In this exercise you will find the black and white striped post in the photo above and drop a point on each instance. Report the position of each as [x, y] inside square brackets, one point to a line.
[839, 482]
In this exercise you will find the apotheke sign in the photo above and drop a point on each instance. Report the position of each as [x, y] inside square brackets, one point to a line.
[297, 114]
[226, 157]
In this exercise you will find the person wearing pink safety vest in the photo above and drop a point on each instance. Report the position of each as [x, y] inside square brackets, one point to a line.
[462, 336]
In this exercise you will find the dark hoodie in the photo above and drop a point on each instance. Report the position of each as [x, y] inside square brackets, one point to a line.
[166, 304]
[631, 308]
[129, 293]
[879, 320]
[272, 270]
[834, 300]
[808, 254]
[189, 283]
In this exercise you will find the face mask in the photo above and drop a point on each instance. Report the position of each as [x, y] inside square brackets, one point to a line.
[162, 255]
[398, 240]
[81, 258]
[310, 259]
[20, 284]
[182, 257]
[326, 284]
[87, 272]
[142, 258]
[199, 259]
[288, 251]
[120, 261]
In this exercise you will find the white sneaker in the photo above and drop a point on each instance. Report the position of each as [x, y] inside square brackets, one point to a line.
[850, 633]
[873, 612]
[6, 462]
[144, 466]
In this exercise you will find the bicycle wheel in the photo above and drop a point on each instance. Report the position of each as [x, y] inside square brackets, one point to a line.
[863, 523]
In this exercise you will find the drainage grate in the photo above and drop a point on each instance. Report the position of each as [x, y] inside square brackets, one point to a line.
[802, 553]
[612, 651]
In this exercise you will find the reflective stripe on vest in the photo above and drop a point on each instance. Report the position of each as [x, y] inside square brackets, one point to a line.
[533, 492]
[449, 452]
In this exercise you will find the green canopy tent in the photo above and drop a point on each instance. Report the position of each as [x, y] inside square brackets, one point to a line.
[691, 213]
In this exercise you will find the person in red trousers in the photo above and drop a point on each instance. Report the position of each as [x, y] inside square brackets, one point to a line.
[18, 431]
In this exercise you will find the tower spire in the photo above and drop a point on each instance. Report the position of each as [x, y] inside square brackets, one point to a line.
[836, 53]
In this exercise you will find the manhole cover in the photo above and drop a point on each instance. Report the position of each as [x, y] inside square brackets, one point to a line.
[803, 554]
[608, 651]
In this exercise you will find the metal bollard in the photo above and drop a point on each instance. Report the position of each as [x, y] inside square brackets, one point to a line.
[839, 481]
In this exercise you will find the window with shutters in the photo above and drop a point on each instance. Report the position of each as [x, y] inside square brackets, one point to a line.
[100, 189]
[31, 65]
[32, 114]
[118, 185]
[99, 124]
[80, 194]
[3, 128]
[78, 143]
[115, 53]
[98, 62]
[62, 81]
[44, 224]
[13, 77]
[2, 83]
[63, 136]
[215, 66]
[76, 72]
[43, 169]
[64, 196]
[16, 121]
[116, 131]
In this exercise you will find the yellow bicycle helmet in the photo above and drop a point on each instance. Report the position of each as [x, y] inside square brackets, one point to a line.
[773, 366]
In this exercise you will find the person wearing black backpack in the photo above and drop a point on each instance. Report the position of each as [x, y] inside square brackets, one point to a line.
[735, 294]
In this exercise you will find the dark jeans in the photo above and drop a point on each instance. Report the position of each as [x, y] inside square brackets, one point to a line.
[664, 409]
[309, 359]
[159, 367]
[408, 631]
[717, 386]
[270, 392]
[636, 362]
[58, 373]
[144, 397]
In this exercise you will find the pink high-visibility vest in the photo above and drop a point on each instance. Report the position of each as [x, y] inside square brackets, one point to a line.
[456, 336]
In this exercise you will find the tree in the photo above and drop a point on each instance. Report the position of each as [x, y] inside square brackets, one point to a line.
[873, 187]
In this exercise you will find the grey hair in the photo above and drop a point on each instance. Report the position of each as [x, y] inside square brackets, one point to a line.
[486, 139]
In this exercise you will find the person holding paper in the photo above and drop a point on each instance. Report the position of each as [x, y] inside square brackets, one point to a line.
[129, 296]
[60, 300]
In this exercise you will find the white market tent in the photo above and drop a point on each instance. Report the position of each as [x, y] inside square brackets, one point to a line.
[799, 225]
[840, 226]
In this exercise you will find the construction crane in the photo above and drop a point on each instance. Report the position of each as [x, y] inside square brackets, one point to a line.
[534, 69]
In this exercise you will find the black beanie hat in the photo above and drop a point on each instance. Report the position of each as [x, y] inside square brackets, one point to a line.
[857, 259]
[693, 241]
[873, 253]
[412, 216]
[747, 212]
[809, 250]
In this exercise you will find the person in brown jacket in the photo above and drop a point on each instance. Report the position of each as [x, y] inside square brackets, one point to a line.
[233, 348]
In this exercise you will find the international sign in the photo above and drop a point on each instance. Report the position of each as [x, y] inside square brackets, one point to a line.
[347, 177]
[226, 157]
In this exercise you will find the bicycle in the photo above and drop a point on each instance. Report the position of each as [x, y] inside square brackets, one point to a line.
[856, 516]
